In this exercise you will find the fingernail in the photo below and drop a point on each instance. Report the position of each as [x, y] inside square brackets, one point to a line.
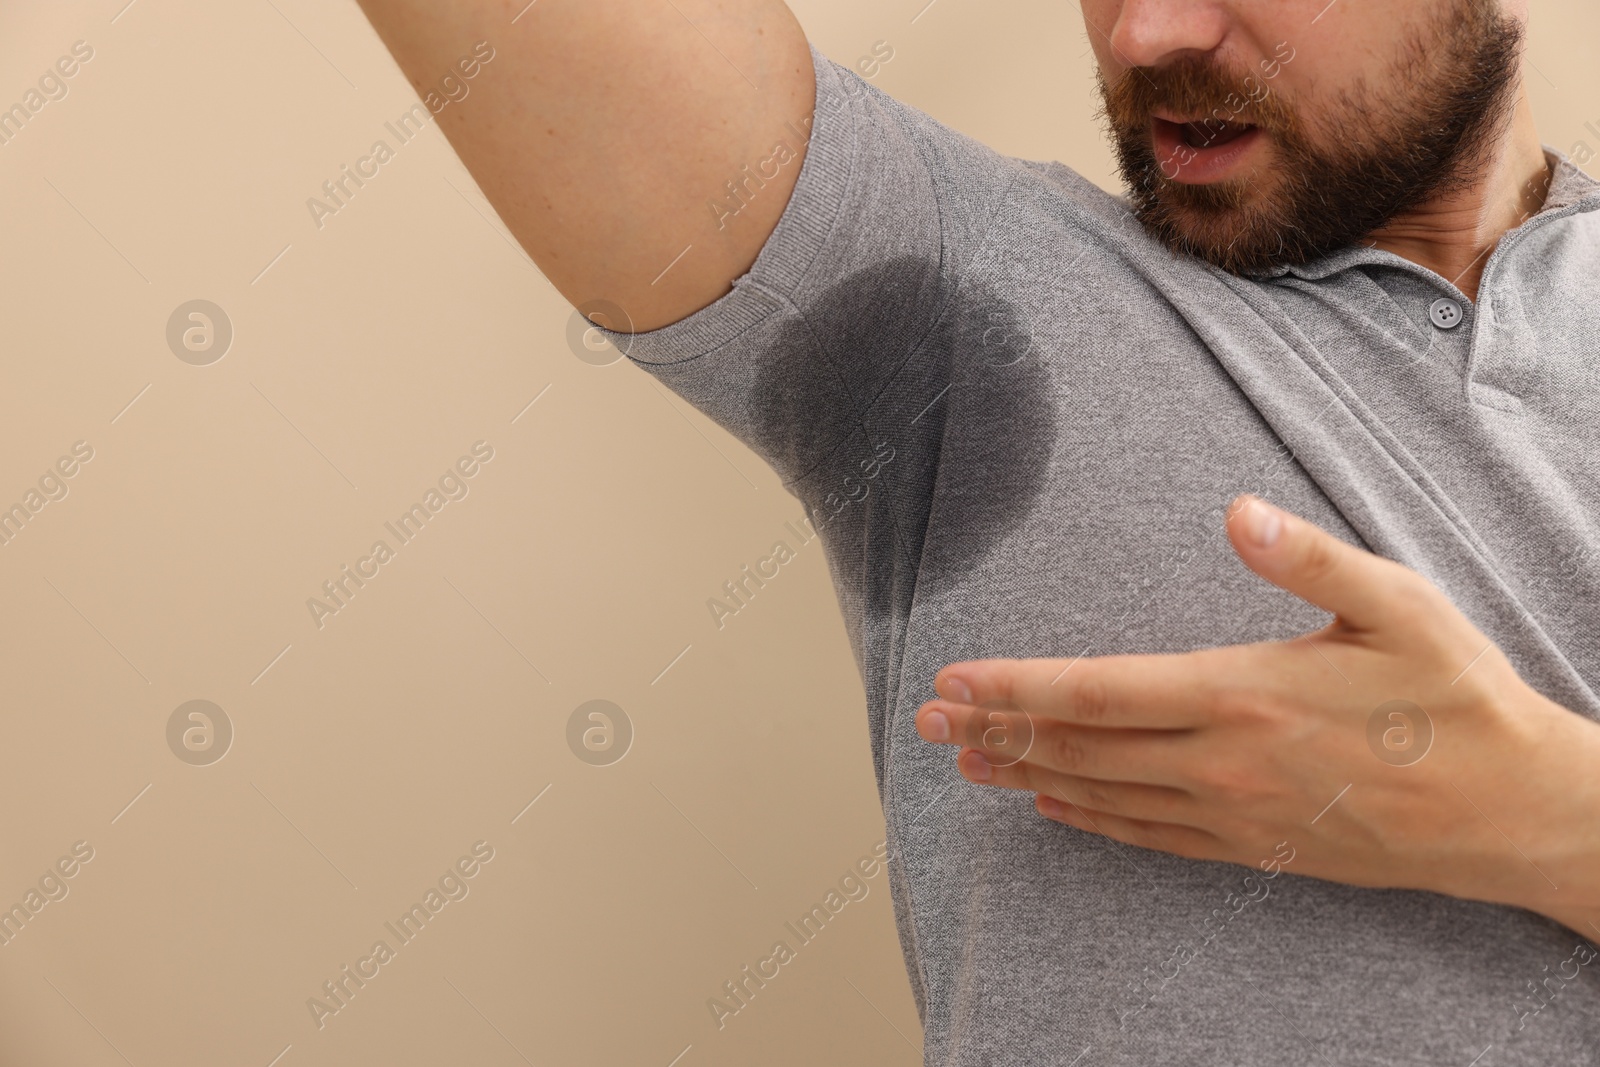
[955, 689]
[977, 768]
[1050, 807]
[935, 726]
[1262, 523]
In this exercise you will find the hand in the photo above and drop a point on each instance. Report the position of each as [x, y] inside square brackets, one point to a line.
[1477, 786]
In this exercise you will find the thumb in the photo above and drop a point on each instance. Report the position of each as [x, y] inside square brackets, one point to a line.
[1362, 589]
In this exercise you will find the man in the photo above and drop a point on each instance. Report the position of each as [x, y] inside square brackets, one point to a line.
[1194, 822]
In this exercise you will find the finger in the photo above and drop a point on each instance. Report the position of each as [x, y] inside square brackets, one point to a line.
[1129, 799]
[1152, 757]
[1006, 735]
[1365, 591]
[1186, 841]
[1161, 692]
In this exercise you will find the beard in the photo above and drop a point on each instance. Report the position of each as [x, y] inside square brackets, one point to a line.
[1370, 157]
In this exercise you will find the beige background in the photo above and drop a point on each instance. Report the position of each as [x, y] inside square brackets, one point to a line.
[429, 712]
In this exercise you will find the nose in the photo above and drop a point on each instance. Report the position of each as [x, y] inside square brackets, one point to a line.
[1148, 33]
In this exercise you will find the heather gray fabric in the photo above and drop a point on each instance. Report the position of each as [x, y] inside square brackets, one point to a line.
[1017, 422]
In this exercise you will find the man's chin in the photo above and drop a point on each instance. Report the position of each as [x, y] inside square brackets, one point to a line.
[1233, 234]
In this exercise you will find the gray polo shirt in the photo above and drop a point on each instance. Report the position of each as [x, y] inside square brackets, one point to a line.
[1017, 422]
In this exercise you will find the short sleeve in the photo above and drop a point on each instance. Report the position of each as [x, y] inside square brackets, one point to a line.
[853, 277]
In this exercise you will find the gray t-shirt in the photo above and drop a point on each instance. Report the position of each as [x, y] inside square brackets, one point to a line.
[1017, 422]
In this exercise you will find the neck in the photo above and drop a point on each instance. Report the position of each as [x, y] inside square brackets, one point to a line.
[1454, 235]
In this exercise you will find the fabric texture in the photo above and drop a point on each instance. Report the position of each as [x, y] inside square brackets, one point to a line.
[1017, 422]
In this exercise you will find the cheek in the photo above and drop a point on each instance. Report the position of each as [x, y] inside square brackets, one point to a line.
[1101, 13]
[1099, 16]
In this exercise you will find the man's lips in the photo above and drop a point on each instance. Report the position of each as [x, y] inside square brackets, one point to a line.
[1199, 151]
[1206, 131]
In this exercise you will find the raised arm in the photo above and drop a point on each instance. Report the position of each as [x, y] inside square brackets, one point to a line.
[603, 130]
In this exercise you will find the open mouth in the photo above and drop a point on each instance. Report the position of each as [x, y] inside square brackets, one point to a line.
[1200, 132]
[1203, 150]
[1213, 133]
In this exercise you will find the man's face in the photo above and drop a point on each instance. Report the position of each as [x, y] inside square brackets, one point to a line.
[1256, 133]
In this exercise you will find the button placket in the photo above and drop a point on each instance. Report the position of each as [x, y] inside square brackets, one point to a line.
[1505, 360]
[1446, 339]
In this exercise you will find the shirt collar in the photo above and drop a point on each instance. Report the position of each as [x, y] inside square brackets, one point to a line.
[1570, 186]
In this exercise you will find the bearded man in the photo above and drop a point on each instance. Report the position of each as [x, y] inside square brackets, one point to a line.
[1188, 820]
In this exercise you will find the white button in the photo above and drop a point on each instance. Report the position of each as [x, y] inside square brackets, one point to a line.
[1446, 314]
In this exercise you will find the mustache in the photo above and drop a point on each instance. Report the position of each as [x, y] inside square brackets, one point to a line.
[1197, 88]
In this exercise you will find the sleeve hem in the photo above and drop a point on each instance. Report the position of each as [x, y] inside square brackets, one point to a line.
[800, 234]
